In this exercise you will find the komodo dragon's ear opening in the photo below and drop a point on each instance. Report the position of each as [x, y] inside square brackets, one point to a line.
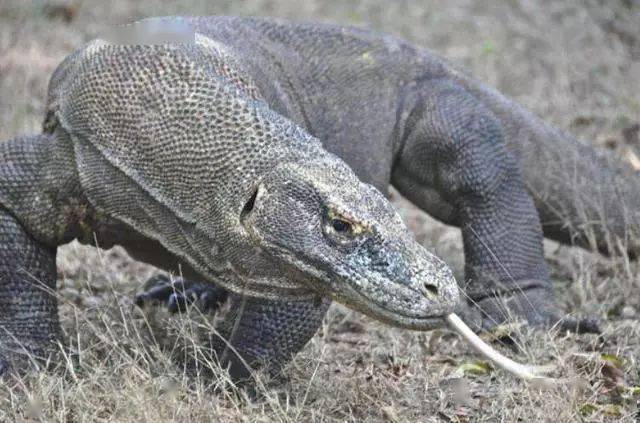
[251, 202]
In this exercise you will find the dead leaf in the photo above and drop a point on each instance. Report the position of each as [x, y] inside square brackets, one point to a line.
[588, 408]
[347, 338]
[631, 157]
[611, 370]
[476, 368]
[613, 359]
[434, 341]
[612, 375]
[389, 413]
[349, 326]
[611, 410]
[503, 331]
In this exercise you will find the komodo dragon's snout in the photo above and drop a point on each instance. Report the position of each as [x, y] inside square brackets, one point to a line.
[349, 242]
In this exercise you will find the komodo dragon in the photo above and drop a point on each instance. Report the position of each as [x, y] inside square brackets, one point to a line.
[253, 156]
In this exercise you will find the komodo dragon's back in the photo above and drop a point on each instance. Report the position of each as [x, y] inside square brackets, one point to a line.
[359, 91]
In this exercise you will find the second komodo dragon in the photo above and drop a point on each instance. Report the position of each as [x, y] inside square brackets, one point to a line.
[253, 157]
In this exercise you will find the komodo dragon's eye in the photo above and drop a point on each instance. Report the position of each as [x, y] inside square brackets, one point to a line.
[341, 229]
[341, 226]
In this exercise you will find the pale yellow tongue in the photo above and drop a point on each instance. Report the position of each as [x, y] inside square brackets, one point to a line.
[527, 373]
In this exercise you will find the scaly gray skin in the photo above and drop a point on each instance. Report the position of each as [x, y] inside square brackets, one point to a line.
[206, 158]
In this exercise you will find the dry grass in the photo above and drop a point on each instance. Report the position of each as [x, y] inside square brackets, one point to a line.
[577, 64]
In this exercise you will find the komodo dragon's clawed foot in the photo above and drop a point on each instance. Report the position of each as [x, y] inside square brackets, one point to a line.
[534, 306]
[177, 294]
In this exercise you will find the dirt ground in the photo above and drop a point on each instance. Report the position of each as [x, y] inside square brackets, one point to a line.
[575, 63]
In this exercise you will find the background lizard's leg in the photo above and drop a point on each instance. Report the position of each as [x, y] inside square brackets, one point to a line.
[455, 165]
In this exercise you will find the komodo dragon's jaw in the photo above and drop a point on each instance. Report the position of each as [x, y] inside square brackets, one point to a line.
[347, 241]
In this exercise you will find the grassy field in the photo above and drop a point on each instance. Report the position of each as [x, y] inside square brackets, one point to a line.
[575, 63]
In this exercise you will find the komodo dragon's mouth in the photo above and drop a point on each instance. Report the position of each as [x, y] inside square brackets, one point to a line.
[394, 318]
[344, 293]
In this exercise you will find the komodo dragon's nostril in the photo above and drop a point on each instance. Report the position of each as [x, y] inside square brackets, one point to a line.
[432, 289]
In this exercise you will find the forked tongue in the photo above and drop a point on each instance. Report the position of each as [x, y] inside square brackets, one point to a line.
[527, 373]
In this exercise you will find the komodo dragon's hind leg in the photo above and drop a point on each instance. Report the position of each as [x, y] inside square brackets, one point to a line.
[256, 332]
[29, 325]
[455, 165]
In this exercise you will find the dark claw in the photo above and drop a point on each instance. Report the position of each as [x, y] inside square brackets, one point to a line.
[156, 289]
[178, 294]
[177, 303]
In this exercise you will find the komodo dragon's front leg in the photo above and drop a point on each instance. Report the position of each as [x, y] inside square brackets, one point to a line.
[28, 316]
[29, 326]
[265, 334]
[455, 165]
[255, 333]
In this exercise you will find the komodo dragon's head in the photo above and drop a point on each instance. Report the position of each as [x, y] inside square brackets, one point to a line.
[345, 240]
[169, 139]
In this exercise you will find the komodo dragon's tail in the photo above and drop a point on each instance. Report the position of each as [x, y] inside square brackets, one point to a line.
[585, 196]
